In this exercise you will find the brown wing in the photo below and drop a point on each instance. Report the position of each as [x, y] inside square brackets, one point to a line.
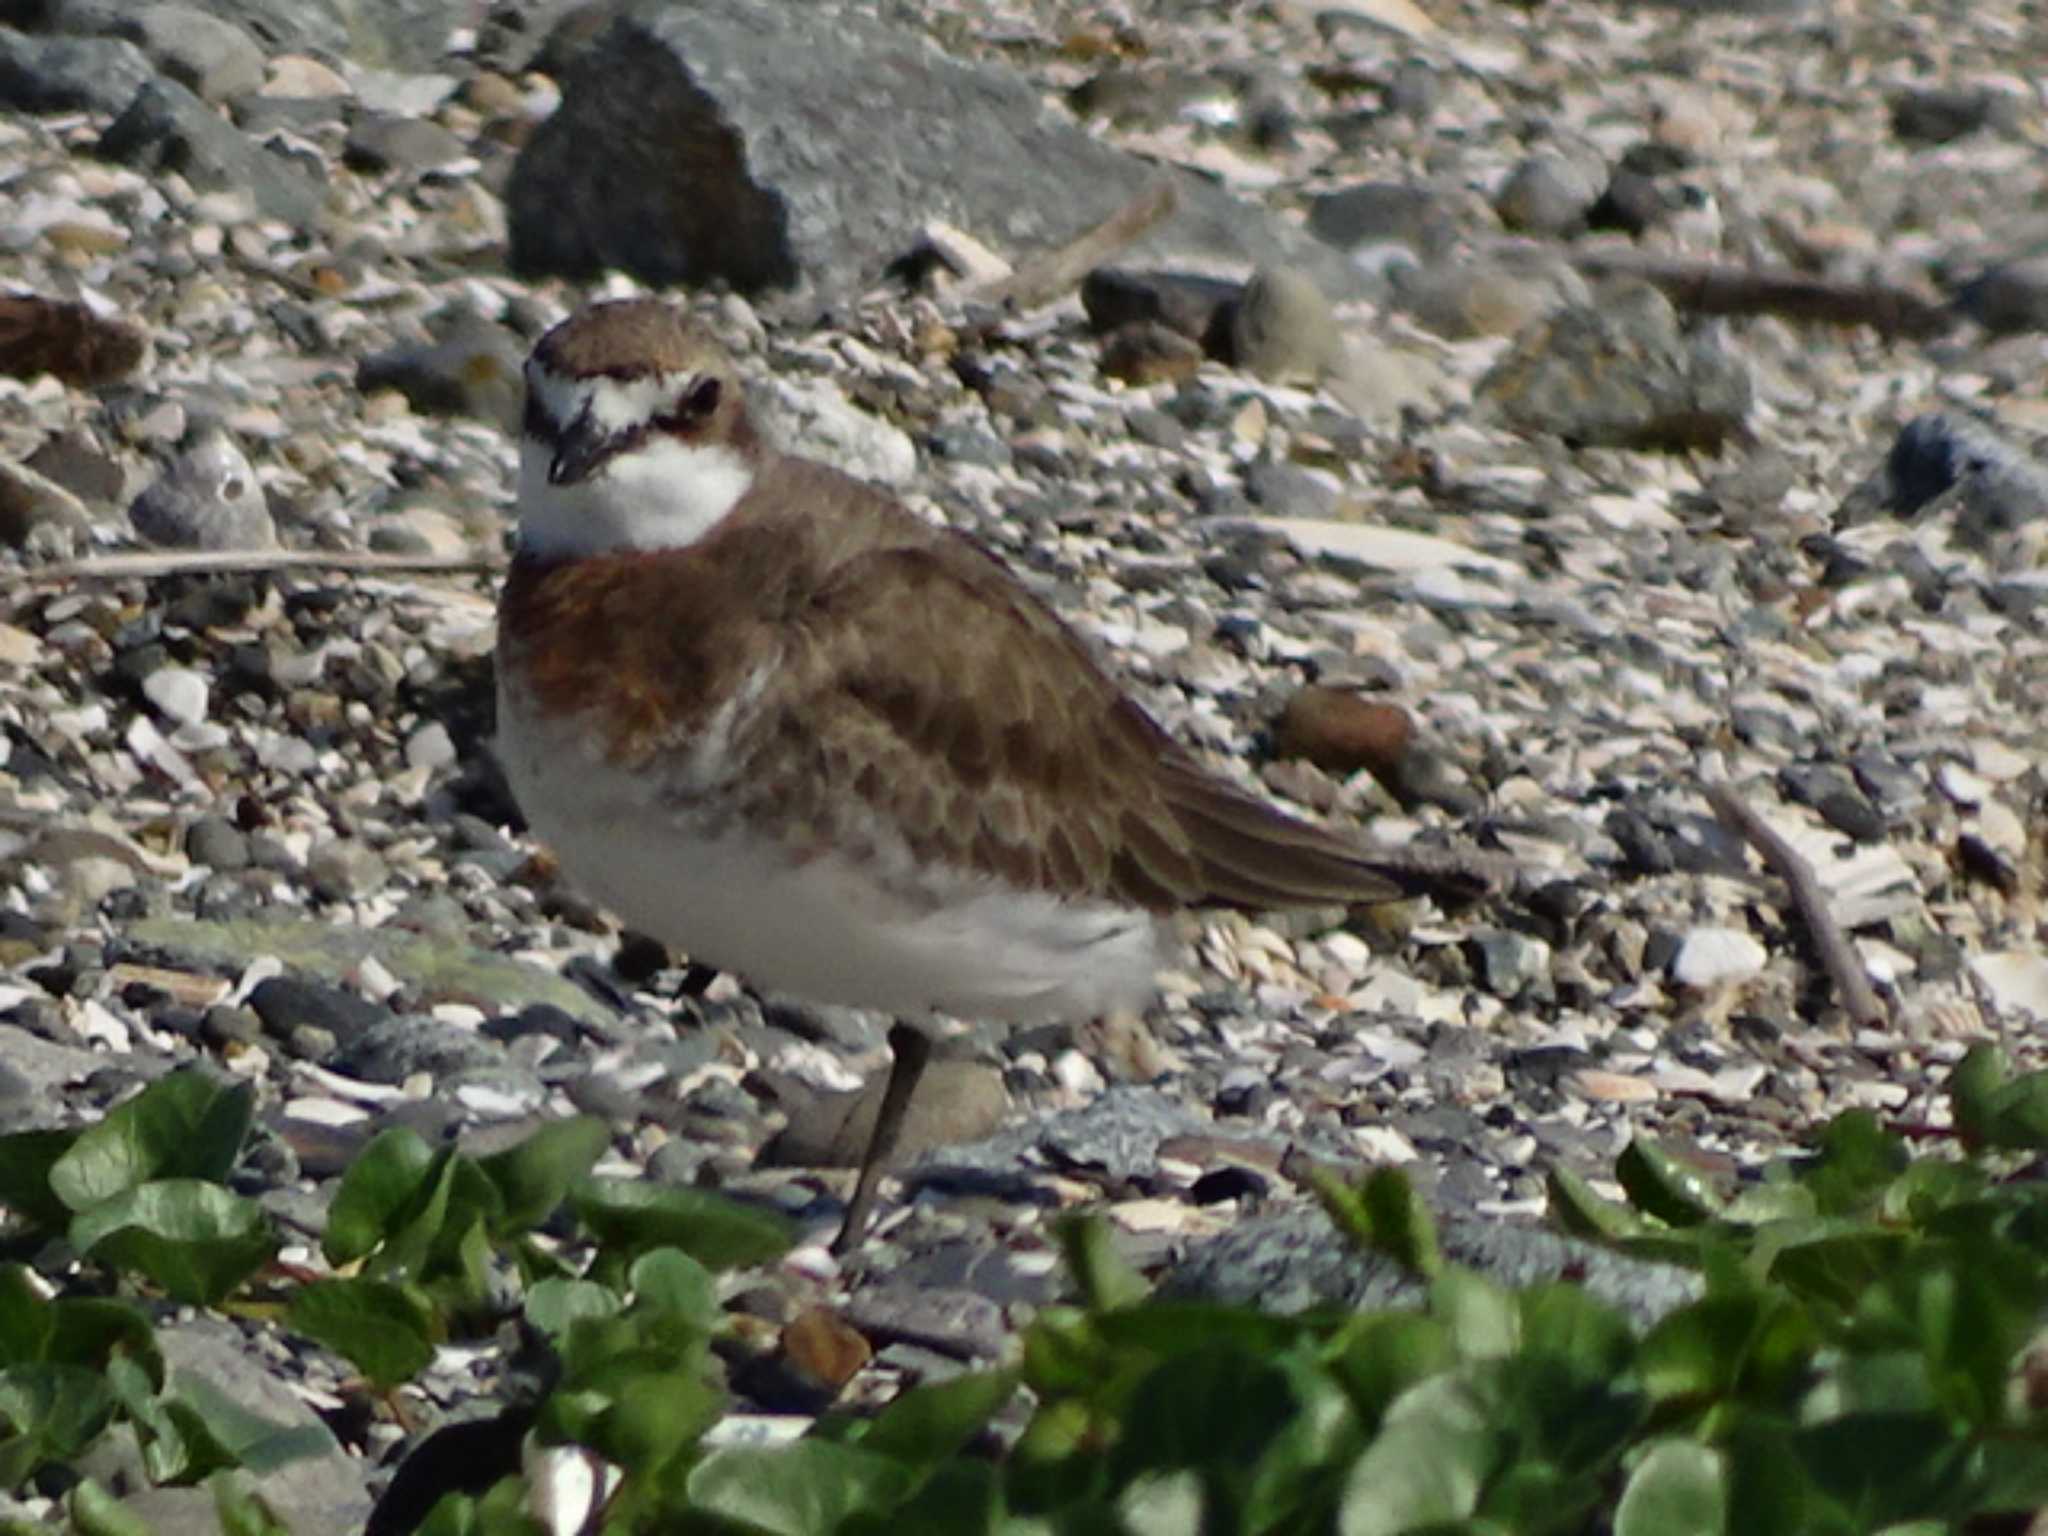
[964, 712]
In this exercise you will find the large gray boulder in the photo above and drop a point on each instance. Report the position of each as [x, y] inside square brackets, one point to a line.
[800, 147]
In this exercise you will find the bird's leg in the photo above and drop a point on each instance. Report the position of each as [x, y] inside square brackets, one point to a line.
[909, 1050]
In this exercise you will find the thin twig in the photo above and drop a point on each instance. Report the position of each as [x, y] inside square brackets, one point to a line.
[179, 562]
[1837, 955]
[1048, 276]
[1714, 288]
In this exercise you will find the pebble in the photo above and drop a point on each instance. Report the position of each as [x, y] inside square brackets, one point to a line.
[208, 498]
[1708, 956]
[346, 869]
[179, 694]
[1284, 329]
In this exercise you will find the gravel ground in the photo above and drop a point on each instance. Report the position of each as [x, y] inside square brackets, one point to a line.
[1486, 542]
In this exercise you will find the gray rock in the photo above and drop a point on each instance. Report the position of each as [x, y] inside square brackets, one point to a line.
[1936, 115]
[1288, 490]
[438, 969]
[69, 74]
[1620, 374]
[956, 1101]
[1547, 194]
[1998, 485]
[383, 141]
[208, 499]
[1292, 1260]
[288, 1003]
[949, 1319]
[675, 156]
[387, 34]
[1384, 213]
[346, 869]
[2008, 298]
[1493, 295]
[167, 128]
[217, 843]
[1510, 963]
[206, 54]
[1284, 329]
[179, 694]
[74, 461]
[1200, 308]
[37, 515]
[308, 1479]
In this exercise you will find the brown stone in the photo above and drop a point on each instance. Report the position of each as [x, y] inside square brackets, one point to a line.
[823, 1347]
[1340, 733]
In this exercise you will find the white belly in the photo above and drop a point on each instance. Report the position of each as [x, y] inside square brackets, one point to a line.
[900, 939]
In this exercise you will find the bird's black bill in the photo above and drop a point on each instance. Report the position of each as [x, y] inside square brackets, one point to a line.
[581, 450]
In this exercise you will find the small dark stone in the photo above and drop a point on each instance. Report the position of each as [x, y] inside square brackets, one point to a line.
[286, 1003]
[1231, 1182]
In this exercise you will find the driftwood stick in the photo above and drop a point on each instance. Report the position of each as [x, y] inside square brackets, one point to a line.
[1715, 288]
[1048, 276]
[184, 562]
[1837, 955]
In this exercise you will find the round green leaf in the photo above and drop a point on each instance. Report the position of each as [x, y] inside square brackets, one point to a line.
[188, 1125]
[1678, 1489]
[382, 1329]
[195, 1239]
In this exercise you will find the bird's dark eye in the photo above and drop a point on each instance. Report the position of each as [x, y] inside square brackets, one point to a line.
[700, 401]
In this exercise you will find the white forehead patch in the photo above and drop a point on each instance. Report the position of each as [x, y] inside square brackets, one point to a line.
[662, 493]
[613, 403]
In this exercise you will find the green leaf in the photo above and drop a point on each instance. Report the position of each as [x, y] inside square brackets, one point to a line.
[1676, 1490]
[242, 1511]
[1434, 1453]
[1837, 1265]
[1383, 1215]
[1176, 1327]
[552, 1305]
[1380, 1355]
[1484, 1319]
[1570, 1323]
[960, 1498]
[26, 1160]
[1856, 1162]
[86, 1330]
[27, 1320]
[804, 1489]
[1215, 1403]
[535, 1177]
[669, 1280]
[193, 1238]
[630, 1216]
[188, 1125]
[1662, 1186]
[1107, 1280]
[1755, 1345]
[384, 1330]
[387, 1180]
[1993, 1109]
[930, 1423]
[96, 1512]
[54, 1411]
[1885, 1468]
[1580, 1210]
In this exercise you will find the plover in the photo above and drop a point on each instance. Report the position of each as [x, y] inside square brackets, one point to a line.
[766, 713]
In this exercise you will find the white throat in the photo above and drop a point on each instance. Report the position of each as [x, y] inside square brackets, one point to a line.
[662, 494]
